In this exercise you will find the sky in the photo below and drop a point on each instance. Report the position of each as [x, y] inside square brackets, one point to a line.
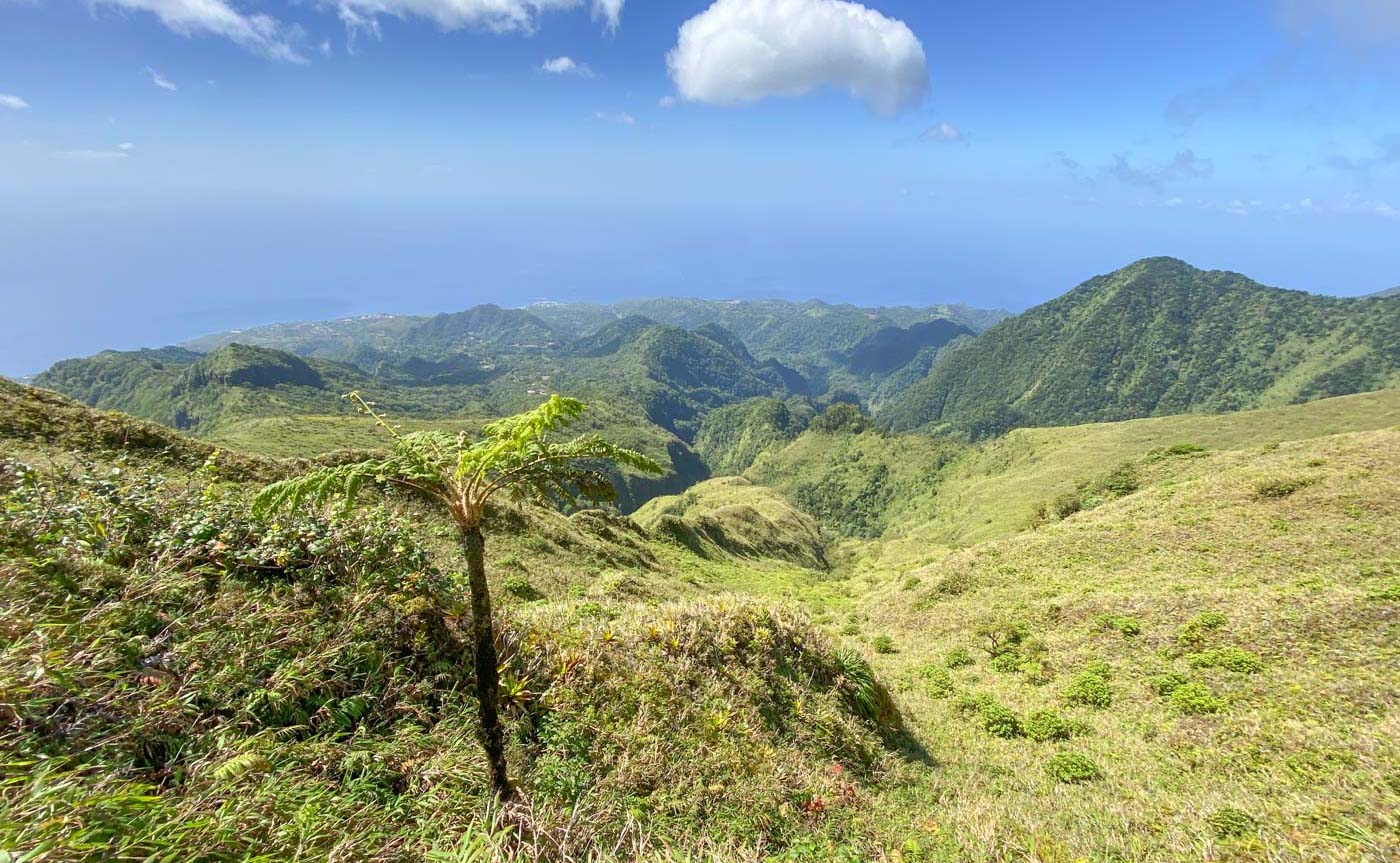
[175, 167]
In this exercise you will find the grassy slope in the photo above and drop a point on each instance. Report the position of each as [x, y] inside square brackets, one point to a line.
[1304, 747]
[995, 489]
[730, 515]
[1308, 581]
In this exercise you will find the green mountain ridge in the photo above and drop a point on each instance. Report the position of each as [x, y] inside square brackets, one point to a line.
[1157, 337]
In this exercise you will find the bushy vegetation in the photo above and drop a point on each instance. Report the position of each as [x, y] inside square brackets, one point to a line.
[1072, 767]
[1090, 688]
[206, 679]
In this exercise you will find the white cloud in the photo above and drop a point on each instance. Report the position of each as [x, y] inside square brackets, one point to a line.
[610, 11]
[621, 117]
[160, 80]
[745, 50]
[126, 146]
[84, 155]
[259, 33]
[495, 16]
[566, 66]
[666, 102]
[943, 133]
[14, 103]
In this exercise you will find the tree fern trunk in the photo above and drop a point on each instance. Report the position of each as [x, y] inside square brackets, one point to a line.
[488, 682]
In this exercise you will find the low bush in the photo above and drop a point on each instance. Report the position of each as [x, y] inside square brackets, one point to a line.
[1281, 487]
[938, 681]
[1090, 688]
[518, 585]
[1229, 658]
[1194, 632]
[1045, 725]
[1195, 699]
[883, 644]
[1166, 683]
[958, 657]
[955, 583]
[994, 717]
[1072, 767]
[1128, 626]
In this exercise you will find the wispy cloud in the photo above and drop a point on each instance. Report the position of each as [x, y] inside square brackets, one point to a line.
[13, 102]
[1185, 165]
[942, 133]
[1241, 92]
[566, 66]
[126, 146]
[161, 81]
[609, 12]
[620, 117]
[91, 155]
[492, 16]
[1387, 152]
[666, 102]
[258, 32]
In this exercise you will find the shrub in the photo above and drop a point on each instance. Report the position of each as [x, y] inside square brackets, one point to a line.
[1167, 683]
[851, 628]
[1043, 725]
[1175, 450]
[939, 681]
[911, 582]
[1072, 767]
[955, 583]
[1129, 626]
[1007, 663]
[1228, 658]
[1228, 822]
[1090, 688]
[958, 657]
[519, 586]
[1121, 481]
[1002, 637]
[1281, 487]
[1195, 699]
[995, 718]
[1193, 632]
[1038, 672]
[999, 721]
[883, 644]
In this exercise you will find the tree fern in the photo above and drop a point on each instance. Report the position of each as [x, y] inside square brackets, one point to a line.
[518, 456]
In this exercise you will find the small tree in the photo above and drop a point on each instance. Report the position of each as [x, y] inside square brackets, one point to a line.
[516, 456]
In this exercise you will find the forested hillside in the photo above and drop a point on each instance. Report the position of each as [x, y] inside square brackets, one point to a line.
[1154, 338]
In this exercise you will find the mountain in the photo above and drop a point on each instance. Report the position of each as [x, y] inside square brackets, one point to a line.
[793, 333]
[1157, 337]
[481, 330]
[1389, 292]
[890, 349]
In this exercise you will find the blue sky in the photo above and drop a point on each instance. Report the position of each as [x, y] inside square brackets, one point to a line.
[172, 167]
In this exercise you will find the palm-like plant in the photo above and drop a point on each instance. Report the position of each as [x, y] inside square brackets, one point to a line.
[516, 456]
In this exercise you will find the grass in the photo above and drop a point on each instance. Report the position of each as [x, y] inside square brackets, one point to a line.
[737, 705]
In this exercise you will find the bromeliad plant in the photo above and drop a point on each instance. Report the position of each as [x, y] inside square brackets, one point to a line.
[516, 456]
